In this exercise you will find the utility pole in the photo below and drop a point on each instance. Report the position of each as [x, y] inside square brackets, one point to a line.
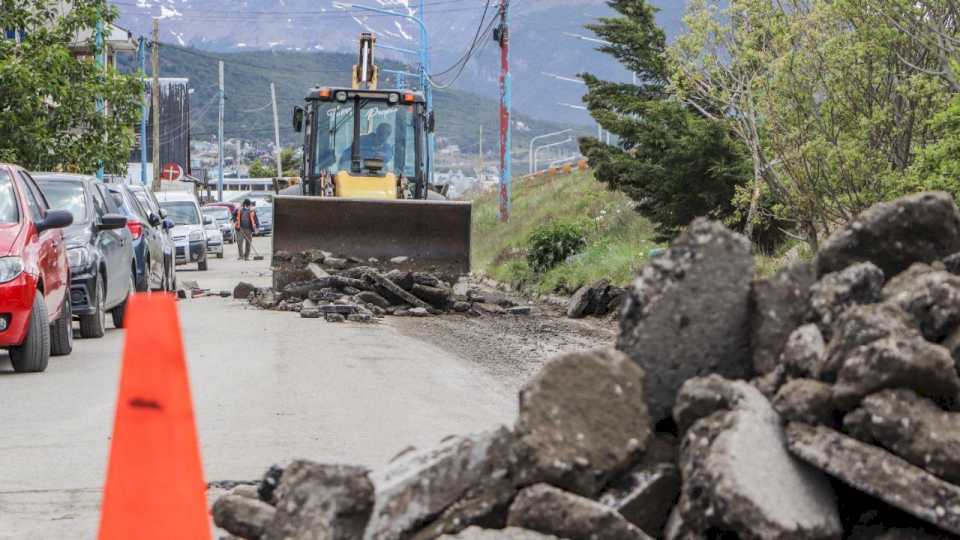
[220, 139]
[155, 92]
[480, 154]
[276, 128]
[144, 110]
[502, 35]
[101, 56]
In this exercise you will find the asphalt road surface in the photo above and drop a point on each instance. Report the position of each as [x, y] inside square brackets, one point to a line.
[267, 387]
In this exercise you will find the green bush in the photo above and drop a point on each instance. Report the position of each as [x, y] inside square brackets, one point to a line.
[550, 245]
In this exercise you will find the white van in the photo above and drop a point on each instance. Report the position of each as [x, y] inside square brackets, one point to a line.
[189, 234]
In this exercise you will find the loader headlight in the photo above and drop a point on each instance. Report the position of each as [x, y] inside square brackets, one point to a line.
[10, 268]
[394, 99]
[341, 96]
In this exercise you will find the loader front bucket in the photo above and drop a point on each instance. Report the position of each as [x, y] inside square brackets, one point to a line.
[432, 236]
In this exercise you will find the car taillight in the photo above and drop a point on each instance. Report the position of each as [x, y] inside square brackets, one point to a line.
[136, 228]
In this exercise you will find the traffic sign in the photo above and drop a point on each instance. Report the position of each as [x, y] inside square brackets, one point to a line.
[171, 172]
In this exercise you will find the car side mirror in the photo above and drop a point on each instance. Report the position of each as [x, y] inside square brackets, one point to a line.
[163, 214]
[207, 220]
[168, 224]
[56, 219]
[154, 220]
[298, 119]
[111, 222]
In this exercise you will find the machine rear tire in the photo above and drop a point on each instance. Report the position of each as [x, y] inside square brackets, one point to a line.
[33, 355]
[61, 331]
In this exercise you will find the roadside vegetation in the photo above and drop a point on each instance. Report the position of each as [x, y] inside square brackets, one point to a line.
[784, 120]
[554, 211]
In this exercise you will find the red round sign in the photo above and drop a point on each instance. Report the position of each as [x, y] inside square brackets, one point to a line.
[171, 172]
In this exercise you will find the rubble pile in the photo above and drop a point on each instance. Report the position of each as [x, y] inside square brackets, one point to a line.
[820, 403]
[317, 285]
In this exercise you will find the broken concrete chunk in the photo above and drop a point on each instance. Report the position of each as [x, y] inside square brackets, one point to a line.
[394, 289]
[336, 263]
[932, 300]
[317, 271]
[335, 317]
[897, 362]
[549, 510]
[321, 501]
[510, 533]
[520, 310]
[688, 313]
[805, 400]
[952, 264]
[856, 285]
[342, 309]
[771, 382]
[805, 352]
[912, 427]
[878, 473]
[242, 516]
[645, 496]
[437, 297]
[403, 279]
[242, 290]
[702, 396]
[591, 299]
[919, 228]
[368, 297]
[781, 303]
[416, 488]
[302, 289]
[738, 477]
[582, 420]
[862, 325]
[399, 260]
[418, 312]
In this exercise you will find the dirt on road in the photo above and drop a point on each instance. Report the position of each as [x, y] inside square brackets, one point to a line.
[511, 348]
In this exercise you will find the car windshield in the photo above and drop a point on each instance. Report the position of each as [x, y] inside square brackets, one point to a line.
[66, 196]
[126, 206]
[264, 212]
[8, 200]
[387, 132]
[219, 214]
[182, 212]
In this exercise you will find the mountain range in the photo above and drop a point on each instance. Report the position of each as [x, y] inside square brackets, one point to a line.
[541, 40]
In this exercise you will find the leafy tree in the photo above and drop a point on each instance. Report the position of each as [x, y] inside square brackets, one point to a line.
[49, 113]
[289, 162]
[259, 170]
[833, 99]
[671, 160]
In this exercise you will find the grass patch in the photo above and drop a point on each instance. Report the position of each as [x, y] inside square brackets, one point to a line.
[618, 238]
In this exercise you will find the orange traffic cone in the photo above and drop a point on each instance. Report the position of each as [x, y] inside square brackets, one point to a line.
[155, 487]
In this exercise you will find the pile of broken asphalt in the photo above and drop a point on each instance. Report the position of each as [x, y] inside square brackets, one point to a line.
[821, 403]
[341, 289]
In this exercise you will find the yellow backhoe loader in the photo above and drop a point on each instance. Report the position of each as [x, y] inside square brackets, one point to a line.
[365, 189]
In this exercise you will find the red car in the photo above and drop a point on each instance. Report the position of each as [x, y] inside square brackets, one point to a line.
[35, 316]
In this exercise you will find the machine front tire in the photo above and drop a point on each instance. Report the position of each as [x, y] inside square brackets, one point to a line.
[94, 326]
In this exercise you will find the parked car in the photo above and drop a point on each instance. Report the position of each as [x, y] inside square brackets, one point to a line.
[99, 248]
[222, 217]
[265, 217]
[149, 201]
[35, 316]
[147, 236]
[214, 236]
[188, 227]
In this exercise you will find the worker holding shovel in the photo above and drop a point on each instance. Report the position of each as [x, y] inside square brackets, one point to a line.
[246, 224]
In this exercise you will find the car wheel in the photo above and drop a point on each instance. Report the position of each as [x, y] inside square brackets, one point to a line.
[33, 354]
[143, 281]
[61, 331]
[119, 313]
[94, 325]
[202, 265]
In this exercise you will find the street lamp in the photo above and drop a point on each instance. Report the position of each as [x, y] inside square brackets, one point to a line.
[424, 65]
[540, 137]
[545, 146]
[596, 40]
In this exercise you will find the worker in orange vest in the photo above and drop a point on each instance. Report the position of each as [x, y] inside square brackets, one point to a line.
[246, 224]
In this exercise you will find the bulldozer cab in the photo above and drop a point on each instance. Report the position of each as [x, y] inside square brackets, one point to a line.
[365, 144]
